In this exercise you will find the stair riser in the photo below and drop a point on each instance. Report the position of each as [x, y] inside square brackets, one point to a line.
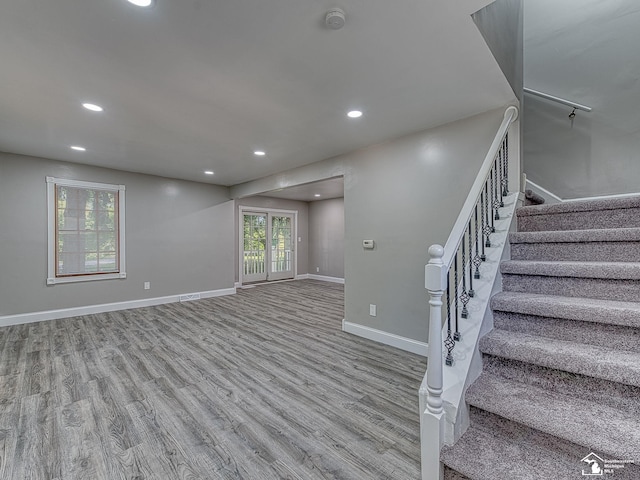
[588, 333]
[566, 463]
[568, 418]
[577, 252]
[597, 311]
[508, 461]
[614, 394]
[602, 288]
[622, 218]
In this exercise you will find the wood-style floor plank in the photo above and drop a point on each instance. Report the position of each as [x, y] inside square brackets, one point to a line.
[258, 385]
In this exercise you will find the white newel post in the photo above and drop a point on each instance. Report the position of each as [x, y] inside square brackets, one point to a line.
[431, 420]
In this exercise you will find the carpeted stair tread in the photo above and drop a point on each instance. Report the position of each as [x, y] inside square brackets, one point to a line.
[561, 368]
[589, 360]
[595, 426]
[569, 308]
[601, 270]
[495, 448]
[613, 214]
[577, 236]
[580, 206]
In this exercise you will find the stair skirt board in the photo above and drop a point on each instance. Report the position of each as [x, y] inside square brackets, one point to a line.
[560, 384]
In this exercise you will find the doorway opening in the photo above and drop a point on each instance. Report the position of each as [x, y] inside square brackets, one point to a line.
[267, 245]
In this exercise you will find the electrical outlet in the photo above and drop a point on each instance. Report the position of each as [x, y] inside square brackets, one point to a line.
[147, 285]
[317, 269]
[372, 310]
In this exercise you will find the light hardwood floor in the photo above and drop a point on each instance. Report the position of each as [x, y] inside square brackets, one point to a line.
[258, 385]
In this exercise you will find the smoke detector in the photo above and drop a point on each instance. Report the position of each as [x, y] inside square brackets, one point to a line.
[334, 19]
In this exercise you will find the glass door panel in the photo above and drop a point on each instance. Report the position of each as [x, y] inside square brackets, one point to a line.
[282, 255]
[267, 247]
[254, 252]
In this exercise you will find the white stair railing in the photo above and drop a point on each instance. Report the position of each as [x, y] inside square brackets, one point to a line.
[451, 272]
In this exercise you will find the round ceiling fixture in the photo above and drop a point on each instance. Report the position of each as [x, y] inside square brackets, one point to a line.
[93, 107]
[334, 19]
[141, 3]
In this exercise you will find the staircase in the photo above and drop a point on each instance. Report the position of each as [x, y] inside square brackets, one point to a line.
[561, 369]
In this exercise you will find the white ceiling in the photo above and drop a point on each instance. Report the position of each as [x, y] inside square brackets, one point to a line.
[192, 85]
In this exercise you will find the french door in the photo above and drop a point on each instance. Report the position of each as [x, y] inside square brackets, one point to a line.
[268, 246]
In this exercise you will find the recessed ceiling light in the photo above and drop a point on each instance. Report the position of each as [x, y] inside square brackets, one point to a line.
[259, 153]
[78, 148]
[208, 172]
[354, 114]
[317, 195]
[93, 107]
[141, 3]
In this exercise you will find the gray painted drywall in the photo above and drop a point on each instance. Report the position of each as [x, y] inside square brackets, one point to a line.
[277, 204]
[501, 26]
[406, 195]
[585, 51]
[177, 237]
[326, 238]
[589, 158]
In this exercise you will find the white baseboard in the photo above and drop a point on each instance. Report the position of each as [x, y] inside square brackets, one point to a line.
[303, 276]
[550, 197]
[324, 278]
[32, 317]
[555, 199]
[403, 343]
[603, 197]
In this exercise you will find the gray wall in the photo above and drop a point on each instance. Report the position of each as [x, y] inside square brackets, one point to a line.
[406, 195]
[589, 158]
[277, 204]
[326, 237]
[177, 237]
[501, 26]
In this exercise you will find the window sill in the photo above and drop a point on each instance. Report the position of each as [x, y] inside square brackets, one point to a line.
[85, 278]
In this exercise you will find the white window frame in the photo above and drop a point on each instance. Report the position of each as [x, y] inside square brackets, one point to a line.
[52, 183]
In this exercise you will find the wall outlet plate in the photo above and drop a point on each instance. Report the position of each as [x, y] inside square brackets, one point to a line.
[372, 310]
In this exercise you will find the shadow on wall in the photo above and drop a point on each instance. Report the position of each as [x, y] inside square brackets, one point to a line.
[557, 149]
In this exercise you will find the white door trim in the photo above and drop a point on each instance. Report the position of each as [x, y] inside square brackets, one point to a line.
[242, 209]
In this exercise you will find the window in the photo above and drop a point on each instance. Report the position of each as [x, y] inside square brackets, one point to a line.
[86, 231]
